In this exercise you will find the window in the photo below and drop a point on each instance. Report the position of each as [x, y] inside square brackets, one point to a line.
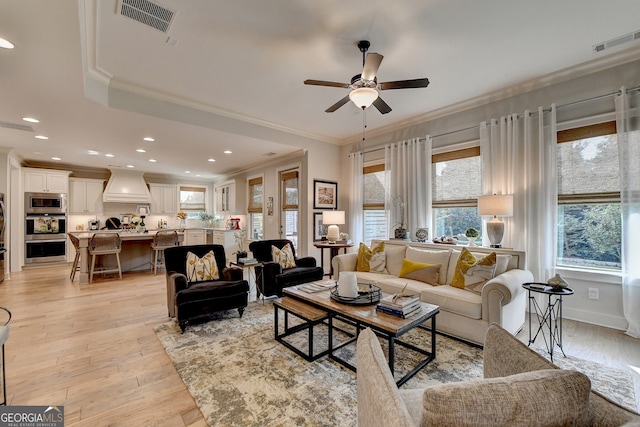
[589, 227]
[192, 201]
[289, 217]
[375, 217]
[456, 184]
[255, 208]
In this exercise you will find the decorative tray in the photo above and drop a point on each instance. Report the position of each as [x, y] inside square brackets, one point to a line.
[367, 294]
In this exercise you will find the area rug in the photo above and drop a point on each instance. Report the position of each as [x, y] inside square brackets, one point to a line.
[240, 376]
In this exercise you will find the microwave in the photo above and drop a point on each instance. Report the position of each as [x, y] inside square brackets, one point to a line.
[49, 203]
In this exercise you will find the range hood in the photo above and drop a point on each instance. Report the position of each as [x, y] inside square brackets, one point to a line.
[126, 187]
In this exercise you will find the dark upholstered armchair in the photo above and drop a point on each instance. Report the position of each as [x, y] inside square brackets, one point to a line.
[275, 277]
[188, 300]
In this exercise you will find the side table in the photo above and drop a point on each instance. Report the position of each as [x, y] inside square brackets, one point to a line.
[259, 282]
[549, 316]
[334, 250]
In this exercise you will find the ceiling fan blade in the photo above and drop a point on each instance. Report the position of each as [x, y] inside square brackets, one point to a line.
[382, 106]
[405, 84]
[371, 65]
[324, 83]
[337, 105]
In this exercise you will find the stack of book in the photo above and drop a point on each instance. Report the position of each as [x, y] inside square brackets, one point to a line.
[402, 306]
[247, 261]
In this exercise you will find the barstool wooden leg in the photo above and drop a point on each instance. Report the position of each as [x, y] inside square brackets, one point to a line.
[93, 265]
[119, 267]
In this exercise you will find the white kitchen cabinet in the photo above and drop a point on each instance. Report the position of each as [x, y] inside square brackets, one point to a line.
[163, 199]
[230, 198]
[85, 196]
[194, 236]
[45, 180]
[227, 239]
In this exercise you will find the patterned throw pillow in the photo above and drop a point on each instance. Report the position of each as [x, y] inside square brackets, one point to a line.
[283, 256]
[471, 273]
[427, 273]
[202, 269]
[371, 259]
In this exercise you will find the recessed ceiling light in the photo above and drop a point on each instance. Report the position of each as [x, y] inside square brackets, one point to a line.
[130, 166]
[211, 160]
[152, 160]
[92, 153]
[140, 150]
[42, 137]
[6, 43]
[30, 120]
[56, 158]
[227, 151]
[148, 139]
[108, 155]
[187, 171]
[198, 175]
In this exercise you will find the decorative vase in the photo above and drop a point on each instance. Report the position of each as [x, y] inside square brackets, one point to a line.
[183, 223]
[557, 283]
[400, 233]
[472, 241]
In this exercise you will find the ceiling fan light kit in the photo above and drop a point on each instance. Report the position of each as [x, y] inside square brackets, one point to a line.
[364, 87]
[363, 97]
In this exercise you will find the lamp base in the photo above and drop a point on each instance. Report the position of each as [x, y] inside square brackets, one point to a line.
[495, 232]
[333, 233]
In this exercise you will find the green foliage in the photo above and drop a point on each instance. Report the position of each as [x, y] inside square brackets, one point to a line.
[471, 232]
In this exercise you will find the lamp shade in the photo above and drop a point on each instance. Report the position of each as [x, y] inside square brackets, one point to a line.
[333, 217]
[363, 97]
[495, 205]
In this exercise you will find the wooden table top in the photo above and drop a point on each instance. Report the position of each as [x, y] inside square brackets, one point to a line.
[366, 314]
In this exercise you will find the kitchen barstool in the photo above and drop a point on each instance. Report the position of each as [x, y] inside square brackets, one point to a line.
[162, 240]
[76, 261]
[105, 244]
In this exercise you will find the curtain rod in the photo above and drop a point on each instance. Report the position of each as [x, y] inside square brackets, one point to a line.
[546, 110]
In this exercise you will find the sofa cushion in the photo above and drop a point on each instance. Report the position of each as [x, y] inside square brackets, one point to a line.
[431, 257]
[454, 300]
[371, 259]
[201, 269]
[502, 263]
[372, 278]
[283, 256]
[549, 397]
[472, 273]
[394, 285]
[427, 273]
[395, 256]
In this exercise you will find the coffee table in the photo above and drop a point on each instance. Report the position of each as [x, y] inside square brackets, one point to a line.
[365, 316]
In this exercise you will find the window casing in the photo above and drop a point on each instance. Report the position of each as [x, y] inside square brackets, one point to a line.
[192, 200]
[456, 184]
[290, 199]
[375, 216]
[589, 222]
[254, 209]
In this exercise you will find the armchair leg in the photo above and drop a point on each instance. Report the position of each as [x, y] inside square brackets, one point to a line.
[241, 311]
[183, 326]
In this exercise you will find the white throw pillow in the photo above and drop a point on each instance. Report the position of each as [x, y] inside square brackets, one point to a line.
[202, 269]
[283, 256]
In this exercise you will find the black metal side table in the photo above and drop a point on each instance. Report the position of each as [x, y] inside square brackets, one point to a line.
[550, 316]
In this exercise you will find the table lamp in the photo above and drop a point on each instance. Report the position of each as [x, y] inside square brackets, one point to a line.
[333, 219]
[495, 205]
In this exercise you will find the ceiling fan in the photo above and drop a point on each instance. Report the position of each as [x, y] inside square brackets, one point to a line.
[364, 87]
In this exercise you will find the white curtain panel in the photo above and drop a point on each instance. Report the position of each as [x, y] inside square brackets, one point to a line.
[628, 127]
[408, 176]
[519, 158]
[356, 197]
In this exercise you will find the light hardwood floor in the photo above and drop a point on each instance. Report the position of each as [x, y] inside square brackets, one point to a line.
[92, 349]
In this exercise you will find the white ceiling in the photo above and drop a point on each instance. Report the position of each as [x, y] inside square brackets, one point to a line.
[229, 75]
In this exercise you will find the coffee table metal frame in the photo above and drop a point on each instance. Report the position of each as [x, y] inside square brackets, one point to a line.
[384, 325]
[311, 317]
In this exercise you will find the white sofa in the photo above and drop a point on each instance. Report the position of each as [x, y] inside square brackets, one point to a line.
[463, 314]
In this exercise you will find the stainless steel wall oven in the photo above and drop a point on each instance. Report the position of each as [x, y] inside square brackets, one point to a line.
[45, 228]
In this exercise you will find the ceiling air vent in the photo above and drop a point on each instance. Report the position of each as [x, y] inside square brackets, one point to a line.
[147, 12]
[17, 126]
[617, 41]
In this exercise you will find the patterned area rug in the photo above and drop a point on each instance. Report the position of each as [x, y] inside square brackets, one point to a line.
[240, 376]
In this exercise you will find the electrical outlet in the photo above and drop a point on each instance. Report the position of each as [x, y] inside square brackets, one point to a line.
[594, 293]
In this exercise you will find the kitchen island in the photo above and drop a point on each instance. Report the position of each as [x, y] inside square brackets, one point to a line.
[135, 255]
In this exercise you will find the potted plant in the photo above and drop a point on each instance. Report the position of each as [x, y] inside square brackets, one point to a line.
[400, 232]
[472, 234]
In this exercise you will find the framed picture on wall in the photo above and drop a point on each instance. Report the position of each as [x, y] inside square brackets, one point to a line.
[319, 229]
[325, 194]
